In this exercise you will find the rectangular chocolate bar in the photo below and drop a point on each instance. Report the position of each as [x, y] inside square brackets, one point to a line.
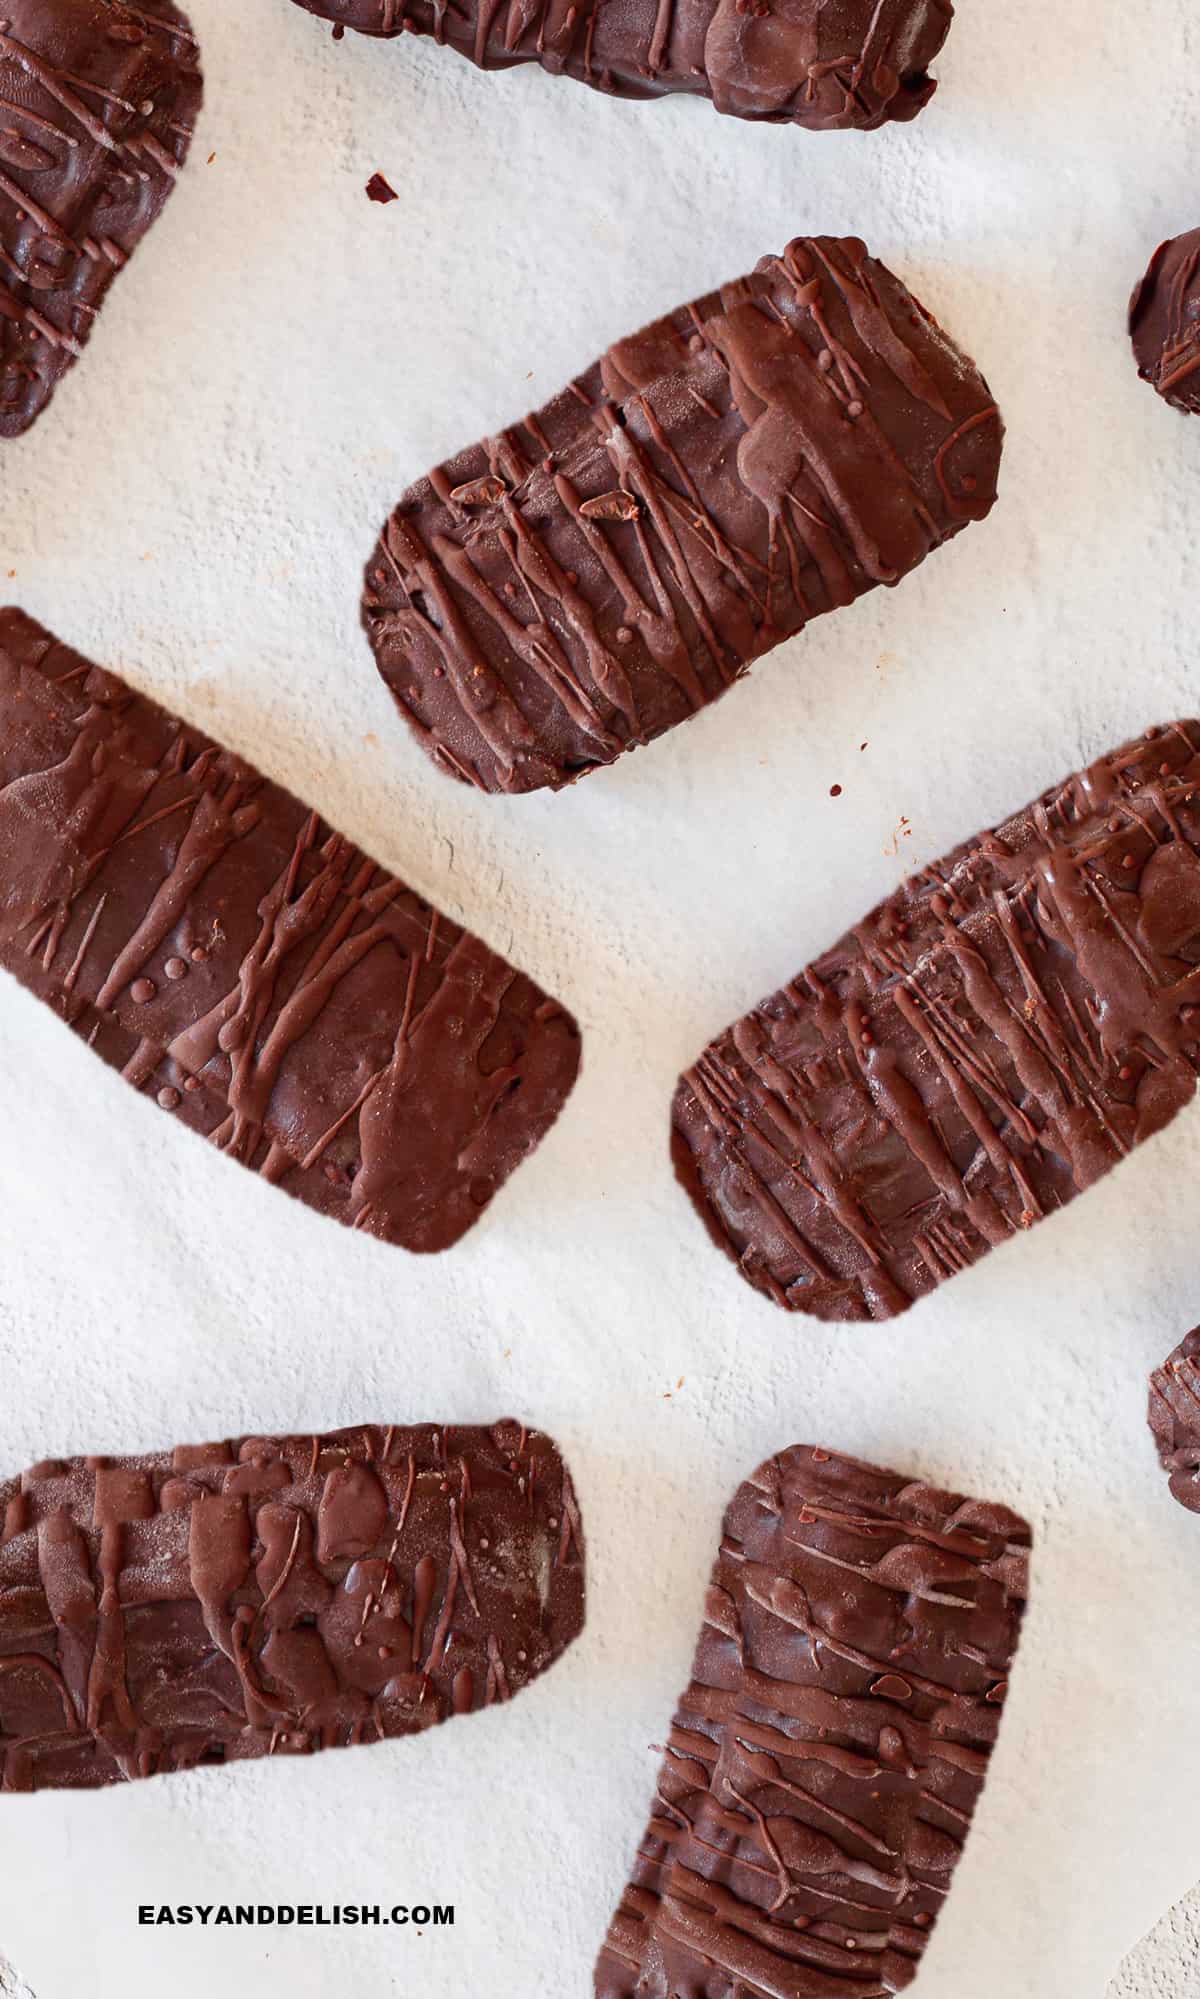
[984, 1046]
[589, 578]
[823, 64]
[276, 1595]
[824, 1764]
[97, 105]
[250, 969]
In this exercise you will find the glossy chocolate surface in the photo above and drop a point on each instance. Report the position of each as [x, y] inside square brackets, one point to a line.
[97, 105]
[585, 580]
[980, 1049]
[824, 64]
[250, 970]
[823, 1765]
[272, 1596]
[1164, 323]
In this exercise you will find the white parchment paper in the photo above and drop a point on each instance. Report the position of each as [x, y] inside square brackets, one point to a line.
[280, 360]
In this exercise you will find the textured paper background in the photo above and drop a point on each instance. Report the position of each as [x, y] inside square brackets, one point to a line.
[1166, 1964]
[280, 360]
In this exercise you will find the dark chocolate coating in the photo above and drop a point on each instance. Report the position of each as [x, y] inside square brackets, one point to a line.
[251, 970]
[824, 64]
[824, 1764]
[1164, 323]
[276, 1595]
[97, 105]
[594, 575]
[1174, 1418]
[981, 1048]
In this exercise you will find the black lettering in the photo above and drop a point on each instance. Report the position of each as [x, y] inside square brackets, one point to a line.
[266, 1913]
[304, 1913]
[443, 1912]
[203, 1910]
[245, 1912]
[286, 1914]
[145, 1912]
[400, 1913]
[168, 1916]
[350, 1914]
[420, 1916]
[370, 1915]
[223, 1913]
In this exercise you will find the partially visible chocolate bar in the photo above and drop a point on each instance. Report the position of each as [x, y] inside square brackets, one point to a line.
[824, 1764]
[824, 64]
[585, 580]
[1174, 1418]
[980, 1049]
[250, 970]
[1164, 323]
[97, 104]
[271, 1596]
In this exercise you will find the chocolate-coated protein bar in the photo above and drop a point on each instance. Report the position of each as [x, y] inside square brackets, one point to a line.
[1164, 323]
[97, 105]
[276, 1595]
[824, 64]
[1174, 1417]
[981, 1048]
[253, 972]
[823, 1765]
[589, 578]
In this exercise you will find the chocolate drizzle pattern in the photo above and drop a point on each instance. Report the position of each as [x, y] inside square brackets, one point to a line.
[824, 1764]
[984, 1046]
[97, 104]
[276, 1595]
[589, 578]
[824, 64]
[253, 972]
[1174, 1418]
[1164, 323]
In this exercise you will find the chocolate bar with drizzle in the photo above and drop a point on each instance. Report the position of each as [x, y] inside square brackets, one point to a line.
[97, 105]
[824, 1764]
[250, 970]
[276, 1595]
[589, 578]
[1174, 1418]
[827, 65]
[1164, 323]
[984, 1046]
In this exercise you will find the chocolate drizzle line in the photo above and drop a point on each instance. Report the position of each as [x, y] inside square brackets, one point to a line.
[824, 1764]
[824, 64]
[1164, 323]
[276, 1595]
[97, 105]
[981, 1048]
[591, 577]
[256, 974]
[1174, 1418]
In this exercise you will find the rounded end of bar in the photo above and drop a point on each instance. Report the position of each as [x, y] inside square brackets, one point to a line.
[1164, 323]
